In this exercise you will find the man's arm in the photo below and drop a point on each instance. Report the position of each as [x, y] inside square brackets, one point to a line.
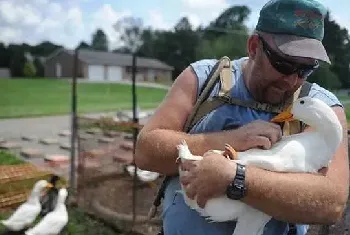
[303, 198]
[156, 143]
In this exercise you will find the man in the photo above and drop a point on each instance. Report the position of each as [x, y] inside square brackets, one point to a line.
[283, 51]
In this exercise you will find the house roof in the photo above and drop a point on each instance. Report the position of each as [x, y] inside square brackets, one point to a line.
[118, 59]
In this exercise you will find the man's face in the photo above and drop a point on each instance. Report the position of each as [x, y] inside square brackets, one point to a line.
[274, 76]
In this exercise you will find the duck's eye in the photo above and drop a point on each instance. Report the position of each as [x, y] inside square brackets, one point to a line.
[302, 101]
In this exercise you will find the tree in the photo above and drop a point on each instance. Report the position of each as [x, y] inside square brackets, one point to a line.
[149, 39]
[325, 77]
[29, 70]
[43, 49]
[130, 30]
[17, 60]
[183, 25]
[336, 41]
[99, 41]
[4, 56]
[185, 44]
[225, 36]
[83, 45]
[123, 50]
[232, 19]
[176, 48]
[233, 46]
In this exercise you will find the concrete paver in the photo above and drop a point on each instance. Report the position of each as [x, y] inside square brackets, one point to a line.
[28, 133]
[32, 153]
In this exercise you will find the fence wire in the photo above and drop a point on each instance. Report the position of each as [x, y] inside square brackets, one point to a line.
[106, 183]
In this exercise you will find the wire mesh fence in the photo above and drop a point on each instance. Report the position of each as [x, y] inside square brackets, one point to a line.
[106, 185]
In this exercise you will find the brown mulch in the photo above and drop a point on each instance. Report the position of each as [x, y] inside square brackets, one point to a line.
[117, 195]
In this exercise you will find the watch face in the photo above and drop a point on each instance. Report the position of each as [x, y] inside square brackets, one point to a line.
[238, 185]
[235, 191]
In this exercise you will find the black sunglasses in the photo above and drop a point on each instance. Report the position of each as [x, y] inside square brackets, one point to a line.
[286, 67]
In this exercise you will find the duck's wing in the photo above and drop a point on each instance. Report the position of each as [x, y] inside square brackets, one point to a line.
[52, 223]
[26, 213]
[298, 153]
[223, 209]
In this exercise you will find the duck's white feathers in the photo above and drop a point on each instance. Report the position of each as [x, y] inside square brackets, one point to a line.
[23, 216]
[51, 224]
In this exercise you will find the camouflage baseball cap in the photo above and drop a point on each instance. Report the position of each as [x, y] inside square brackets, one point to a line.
[297, 27]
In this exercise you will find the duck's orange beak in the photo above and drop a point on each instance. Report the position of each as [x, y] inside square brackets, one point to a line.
[285, 116]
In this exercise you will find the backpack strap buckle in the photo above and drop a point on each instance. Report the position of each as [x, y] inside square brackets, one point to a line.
[225, 98]
[226, 76]
[262, 106]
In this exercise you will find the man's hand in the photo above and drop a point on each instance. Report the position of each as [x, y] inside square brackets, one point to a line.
[207, 178]
[257, 134]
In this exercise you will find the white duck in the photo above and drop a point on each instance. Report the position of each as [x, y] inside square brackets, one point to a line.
[26, 213]
[303, 152]
[143, 175]
[54, 221]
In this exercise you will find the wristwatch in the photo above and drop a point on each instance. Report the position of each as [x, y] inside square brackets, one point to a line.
[237, 189]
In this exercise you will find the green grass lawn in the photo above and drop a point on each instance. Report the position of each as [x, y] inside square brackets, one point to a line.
[35, 97]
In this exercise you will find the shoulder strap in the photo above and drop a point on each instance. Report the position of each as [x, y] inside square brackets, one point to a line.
[222, 68]
[216, 101]
[305, 89]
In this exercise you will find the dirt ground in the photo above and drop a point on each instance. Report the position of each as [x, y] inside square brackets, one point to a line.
[115, 192]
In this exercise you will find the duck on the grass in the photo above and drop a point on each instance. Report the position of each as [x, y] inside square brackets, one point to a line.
[54, 222]
[303, 152]
[26, 213]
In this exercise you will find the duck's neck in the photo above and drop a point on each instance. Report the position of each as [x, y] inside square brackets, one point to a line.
[60, 203]
[34, 197]
[331, 131]
[59, 206]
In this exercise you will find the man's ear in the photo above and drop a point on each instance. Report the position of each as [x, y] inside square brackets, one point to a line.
[253, 46]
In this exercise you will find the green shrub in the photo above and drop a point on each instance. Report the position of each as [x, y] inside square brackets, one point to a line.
[29, 70]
